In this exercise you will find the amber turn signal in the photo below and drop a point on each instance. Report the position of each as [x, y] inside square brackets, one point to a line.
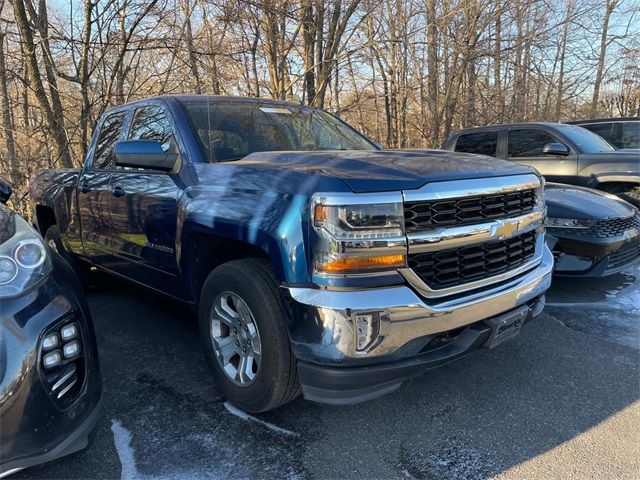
[354, 264]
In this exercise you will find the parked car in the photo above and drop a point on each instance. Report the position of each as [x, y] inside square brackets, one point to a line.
[590, 233]
[623, 133]
[562, 153]
[316, 262]
[50, 385]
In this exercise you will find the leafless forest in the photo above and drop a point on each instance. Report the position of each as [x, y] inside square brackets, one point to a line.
[404, 72]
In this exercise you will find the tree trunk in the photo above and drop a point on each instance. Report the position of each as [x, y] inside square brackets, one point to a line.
[7, 123]
[497, 66]
[53, 117]
[433, 90]
[84, 76]
[193, 62]
[609, 8]
[563, 51]
[308, 51]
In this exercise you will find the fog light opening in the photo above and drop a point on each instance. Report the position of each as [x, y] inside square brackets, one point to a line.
[69, 332]
[50, 341]
[71, 350]
[53, 359]
[367, 326]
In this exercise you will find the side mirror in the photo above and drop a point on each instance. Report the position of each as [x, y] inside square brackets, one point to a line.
[559, 149]
[5, 190]
[144, 154]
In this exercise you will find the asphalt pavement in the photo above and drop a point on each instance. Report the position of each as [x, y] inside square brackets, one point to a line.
[558, 401]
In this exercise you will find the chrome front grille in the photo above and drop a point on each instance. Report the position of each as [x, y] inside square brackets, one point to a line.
[467, 211]
[472, 234]
[447, 268]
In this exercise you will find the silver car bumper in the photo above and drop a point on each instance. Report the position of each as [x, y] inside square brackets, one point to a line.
[406, 321]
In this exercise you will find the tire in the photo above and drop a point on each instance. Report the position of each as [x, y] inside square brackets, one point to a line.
[54, 241]
[275, 379]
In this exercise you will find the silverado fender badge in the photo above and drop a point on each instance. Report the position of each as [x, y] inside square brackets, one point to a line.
[160, 248]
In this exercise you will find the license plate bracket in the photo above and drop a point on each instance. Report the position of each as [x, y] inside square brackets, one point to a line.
[506, 326]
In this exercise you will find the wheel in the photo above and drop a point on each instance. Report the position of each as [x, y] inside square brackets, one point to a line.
[54, 241]
[245, 338]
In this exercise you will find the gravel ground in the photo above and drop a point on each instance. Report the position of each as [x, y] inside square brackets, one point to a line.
[558, 401]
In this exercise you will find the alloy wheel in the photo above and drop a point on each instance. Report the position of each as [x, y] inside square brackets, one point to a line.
[235, 338]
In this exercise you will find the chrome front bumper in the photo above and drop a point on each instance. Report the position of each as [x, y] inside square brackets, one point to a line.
[327, 333]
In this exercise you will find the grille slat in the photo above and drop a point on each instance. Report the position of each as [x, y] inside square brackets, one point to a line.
[425, 214]
[457, 266]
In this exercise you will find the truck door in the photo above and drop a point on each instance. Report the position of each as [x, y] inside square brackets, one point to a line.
[144, 209]
[525, 146]
[94, 191]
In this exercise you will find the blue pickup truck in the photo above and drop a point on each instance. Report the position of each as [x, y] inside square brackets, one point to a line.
[317, 262]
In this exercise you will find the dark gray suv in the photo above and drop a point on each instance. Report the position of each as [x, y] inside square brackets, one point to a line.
[562, 153]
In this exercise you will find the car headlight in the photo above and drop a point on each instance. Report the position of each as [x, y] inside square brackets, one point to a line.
[24, 260]
[358, 237]
[568, 223]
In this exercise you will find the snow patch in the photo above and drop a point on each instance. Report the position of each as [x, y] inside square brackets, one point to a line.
[122, 441]
[245, 416]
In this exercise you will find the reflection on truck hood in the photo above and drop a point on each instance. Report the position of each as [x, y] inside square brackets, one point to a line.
[567, 201]
[380, 170]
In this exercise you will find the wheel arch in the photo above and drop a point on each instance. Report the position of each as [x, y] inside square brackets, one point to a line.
[45, 218]
[204, 251]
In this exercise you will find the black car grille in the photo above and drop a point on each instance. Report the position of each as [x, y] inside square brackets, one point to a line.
[615, 227]
[426, 214]
[603, 228]
[624, 256]
[457, 266]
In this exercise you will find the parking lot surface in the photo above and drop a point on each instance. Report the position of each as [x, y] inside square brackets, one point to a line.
[558, 401]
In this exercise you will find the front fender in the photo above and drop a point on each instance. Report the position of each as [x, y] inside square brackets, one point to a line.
[54, 189]
[274, 222]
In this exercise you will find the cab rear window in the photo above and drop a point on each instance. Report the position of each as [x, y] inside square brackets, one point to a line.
[483, 143]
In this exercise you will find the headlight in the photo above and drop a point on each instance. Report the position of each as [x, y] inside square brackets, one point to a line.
[359, 237]
[568, 223]
[24, 260]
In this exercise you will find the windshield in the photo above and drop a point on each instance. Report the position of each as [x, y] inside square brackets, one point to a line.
[230, 130]
[586, 141]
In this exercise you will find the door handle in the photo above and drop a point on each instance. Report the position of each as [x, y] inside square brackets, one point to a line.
[117, 191]
[85, 188]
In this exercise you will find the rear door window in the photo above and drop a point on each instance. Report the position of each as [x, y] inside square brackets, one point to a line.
[528, 143]
[109, 135]
[484, 143]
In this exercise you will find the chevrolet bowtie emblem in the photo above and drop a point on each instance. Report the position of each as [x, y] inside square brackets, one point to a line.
[506, 229]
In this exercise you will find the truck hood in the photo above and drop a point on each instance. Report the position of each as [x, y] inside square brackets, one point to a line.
[386, 170]
[567, 201]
